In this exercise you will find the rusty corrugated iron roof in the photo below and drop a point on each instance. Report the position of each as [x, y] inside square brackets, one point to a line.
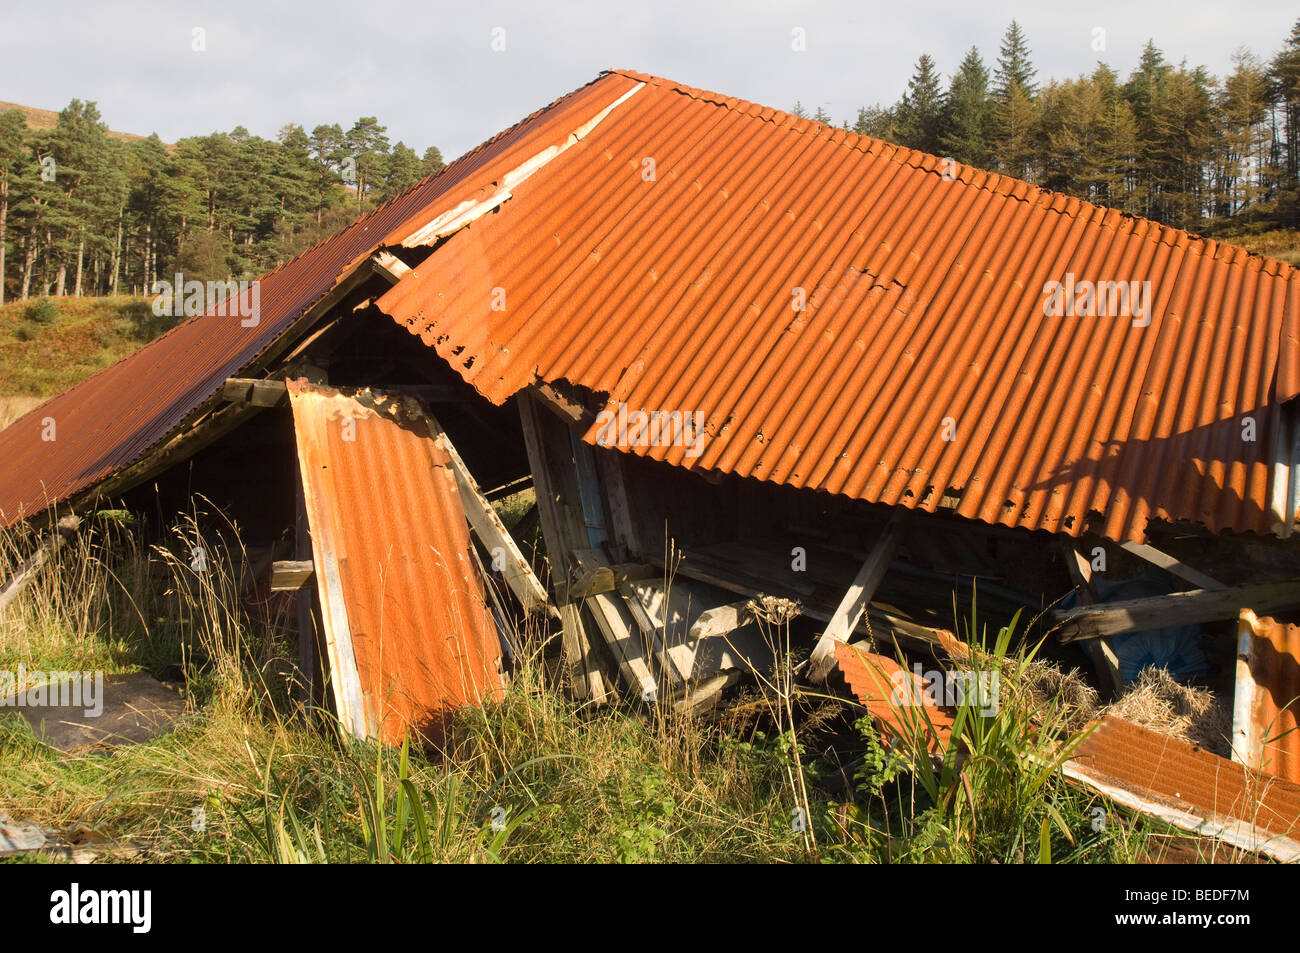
[659, 260]
[113, 418]
[1190, 787]
[403, 608]
[1265, 733]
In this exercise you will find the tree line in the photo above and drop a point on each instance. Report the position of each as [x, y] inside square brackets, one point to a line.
[1170, 142]
[84, 212]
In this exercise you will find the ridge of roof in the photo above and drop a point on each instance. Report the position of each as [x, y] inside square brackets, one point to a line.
[981, 179]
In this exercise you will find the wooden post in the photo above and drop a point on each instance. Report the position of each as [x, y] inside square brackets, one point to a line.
[586, 676]
[854, 603]
[492, 532]
[1103, 657]
[66, 529]
[310, 692]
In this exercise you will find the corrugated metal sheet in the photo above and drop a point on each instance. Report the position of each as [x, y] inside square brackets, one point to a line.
[874, 679]
[112, 419]
[675, 291]
[407, 627]
[1265, 733]
[1190, 787]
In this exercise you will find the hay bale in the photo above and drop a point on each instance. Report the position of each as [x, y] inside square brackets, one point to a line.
[1044, 686]
[1186, 712]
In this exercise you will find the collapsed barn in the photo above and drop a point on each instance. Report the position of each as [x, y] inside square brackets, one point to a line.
[761, 357]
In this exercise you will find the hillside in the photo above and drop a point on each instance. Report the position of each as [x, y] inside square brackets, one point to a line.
[46, 118]
[47, 345]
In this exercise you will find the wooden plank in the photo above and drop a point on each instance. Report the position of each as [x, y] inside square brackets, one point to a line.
[673, 672]
[259, 392]
[31, 567]
[721, 620]
[704, 695]
[389, 267]
[1179, 608]
[593, 574]
[877, 619]
[567, 409]
[311, 690]
[483, 519]
[593, 514]
[855, 600]
[622, 634]
[622, 527]
[1104, 659]
[586, 678]
[1172, 565]
[290, 575]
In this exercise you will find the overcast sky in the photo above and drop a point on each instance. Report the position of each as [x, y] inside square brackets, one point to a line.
[429, 72]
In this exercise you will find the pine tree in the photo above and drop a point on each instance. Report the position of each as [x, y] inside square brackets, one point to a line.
[878, 123]
[920, 114]
[1118, 147]
[1284, 76]
[402, 170]
[1015, 69]
[968, 113]
[1015, 112]
[432, 161]
[13, 150]
[1183, 144]
[1243, 163]
[368, 147]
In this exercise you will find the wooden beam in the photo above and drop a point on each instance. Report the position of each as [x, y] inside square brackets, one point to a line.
[721, 620]
[586, 676]
[568, 410]
[673, 673]
[878, 619]
[1179, 608]
[1100, 651]
[622, 526]
[487, 526]
[622, 633]
[257, 392]
[846, 616]
[290, 575]
[1171, 565]
[389, 267]
[593, 574]
[65, 530]
[509, 489]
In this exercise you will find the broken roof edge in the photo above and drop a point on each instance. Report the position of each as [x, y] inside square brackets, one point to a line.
[451, 220]
[89, 485]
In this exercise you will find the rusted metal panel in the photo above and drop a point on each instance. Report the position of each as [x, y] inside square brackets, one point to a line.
[115, 417]
[407, 627]
[1264, 725]
[893, 696]
[660, 261]
[1190, 787]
